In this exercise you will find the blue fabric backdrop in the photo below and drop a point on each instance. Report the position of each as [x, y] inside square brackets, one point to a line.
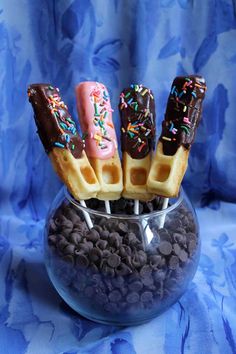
[117, 42]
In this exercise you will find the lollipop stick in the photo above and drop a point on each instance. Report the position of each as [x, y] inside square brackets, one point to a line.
[86, 215]
[107, 206]
[136, 207]
[163, 217]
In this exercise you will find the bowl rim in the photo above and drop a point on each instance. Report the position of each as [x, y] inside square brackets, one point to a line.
[170, 208]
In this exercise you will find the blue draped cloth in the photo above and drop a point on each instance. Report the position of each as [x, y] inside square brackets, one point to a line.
[117, 42]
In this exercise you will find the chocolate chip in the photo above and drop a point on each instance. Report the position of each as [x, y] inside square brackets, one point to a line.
[147, 281]
[118, 281]
[146, 296]
[173, 262]
[176, 249]
[66, 231]
[115, 239]
[108, 270]
[88, 244]
[111, 225]
[62, 244]
[84, 247]
[67, 223]
[192, 246]
[159, 275]
[136, 286]
[123, 269]
[106, 254]
[69, 249]
[165, 248]
[131, 239]
[146, 271]
[75, 238]
[102, 244]
[104, 234]
[183, 256]
[124, 290]
[115, 296]
[82, 260]
[113, 260]
[98, 228]
[132, 297]
[125, 251]
[141, 257]
[92, 235]
[179, 238]
[181, 230]
[165, 237]
[52, 225]
[190, 236]
[155, 260]
[95, 254]
[122, 228]
[174, 224]
[52, 239]
[134, 227]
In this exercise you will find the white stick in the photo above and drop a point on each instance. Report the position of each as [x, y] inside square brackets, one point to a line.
[136, 207]
[163, 217]
[86, 215]
[107, 206]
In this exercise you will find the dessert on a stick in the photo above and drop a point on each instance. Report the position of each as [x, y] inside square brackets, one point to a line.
[95, 116]
[183, 113]
[61, 141]
[137, 113]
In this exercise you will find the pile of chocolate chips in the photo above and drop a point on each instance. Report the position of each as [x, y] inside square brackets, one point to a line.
[123, 265]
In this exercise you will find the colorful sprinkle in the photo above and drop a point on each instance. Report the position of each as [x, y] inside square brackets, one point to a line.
[67, 138]
[130, 101]
[144, 92]
[70, 120]
[186, 120]
[59, 145]
[186, 129]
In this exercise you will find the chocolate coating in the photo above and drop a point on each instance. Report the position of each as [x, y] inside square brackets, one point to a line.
[137, 113]
[56, 127]
[183, 113]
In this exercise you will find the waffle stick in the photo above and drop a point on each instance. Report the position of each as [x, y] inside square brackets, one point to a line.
[62, 142]
[137, 112]
[182, 117]
[95, 115]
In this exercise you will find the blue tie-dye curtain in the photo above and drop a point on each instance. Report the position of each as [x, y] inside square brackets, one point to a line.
[117, 42]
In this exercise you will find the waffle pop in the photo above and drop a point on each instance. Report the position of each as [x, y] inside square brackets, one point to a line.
[95, 115]
[137, 113]
[62, 142]
[182, 117]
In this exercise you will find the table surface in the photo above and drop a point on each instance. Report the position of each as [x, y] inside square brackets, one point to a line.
[34, 319]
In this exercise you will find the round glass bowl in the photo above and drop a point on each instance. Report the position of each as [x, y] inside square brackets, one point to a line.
[127, 268]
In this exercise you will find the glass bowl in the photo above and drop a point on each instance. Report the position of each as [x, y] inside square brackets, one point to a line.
[127, 268]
